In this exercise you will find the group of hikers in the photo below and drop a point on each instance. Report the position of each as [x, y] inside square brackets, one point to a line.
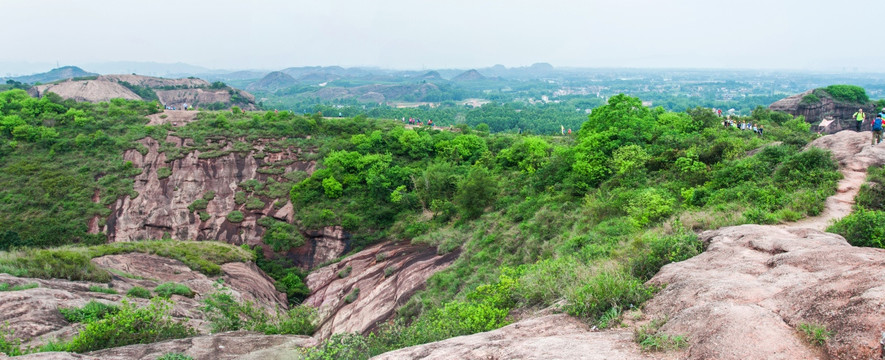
[876, 124]
[417, 121]
[743, 125]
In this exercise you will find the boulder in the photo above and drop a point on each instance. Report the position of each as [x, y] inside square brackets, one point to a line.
[548, 337]
[826, 109]
[757, 284]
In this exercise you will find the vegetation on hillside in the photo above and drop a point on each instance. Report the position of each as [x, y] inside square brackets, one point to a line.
[578, 222]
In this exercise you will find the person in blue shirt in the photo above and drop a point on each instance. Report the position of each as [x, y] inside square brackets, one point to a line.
[877, 130]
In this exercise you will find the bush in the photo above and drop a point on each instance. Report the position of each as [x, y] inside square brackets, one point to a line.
[235, 216]
[168, 289]
[102, 289]
[650, 205]
[9, 344]
[139, 292]
[340, 346]
[163, 173]
[198, 204]
[343, 273]
[862, 228]
[174, 356]
[848, 93]
[810, 99]
[333, 189]
[815, 334]
[354, 294]
[92, 311]
[254, 203]
[607, 290]
[131, 325]
[224, 313]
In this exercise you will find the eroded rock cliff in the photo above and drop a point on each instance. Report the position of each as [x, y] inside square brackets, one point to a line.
[358, 293]
[33, 314]
[825, 109]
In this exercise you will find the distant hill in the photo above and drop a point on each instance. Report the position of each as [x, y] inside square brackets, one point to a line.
[62, 73]
[469, 75]
[273, 82]
[431, 75]
[170, 92]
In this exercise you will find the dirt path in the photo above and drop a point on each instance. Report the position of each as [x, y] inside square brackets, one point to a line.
[174, 117]
[855, 154]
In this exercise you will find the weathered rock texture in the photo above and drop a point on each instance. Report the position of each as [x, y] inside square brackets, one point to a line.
[242, 345]
[827, 108]
[33, 314]
[231, 345]
[548, 337]
[387, 275]
[162, 204]
[747, 294]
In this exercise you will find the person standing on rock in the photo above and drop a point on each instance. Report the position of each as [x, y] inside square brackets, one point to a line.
[877, 130]
[860, 117]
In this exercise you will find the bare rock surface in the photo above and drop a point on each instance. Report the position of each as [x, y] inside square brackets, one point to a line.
[756, 284]
[387, 275]
[548, 337]
[174, 117]
[34, 317]
[229, 345]
[86, 90]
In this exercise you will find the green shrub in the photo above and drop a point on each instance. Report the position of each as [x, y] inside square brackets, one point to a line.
[650, 205]
[340, 346]
[651, 338]
[862, 228]
[815, 334]
[9, 344]
[224, 313]
[102, 289]
[333, 189]
[209, 195]
[7, 287]
[164, 172]
[810, 99]
[174, 356]
[235, 216]
[294, 287]
[204, 215]
[168, 289]
[343, 273]
[605, 291]
[131, 325]
[92, 311]
[240, 198]
[198, 204]
[354, 294]
[849, 93]
[254, 203]
[139, 292]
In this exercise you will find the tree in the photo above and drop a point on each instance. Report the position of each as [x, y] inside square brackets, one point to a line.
[475, 193]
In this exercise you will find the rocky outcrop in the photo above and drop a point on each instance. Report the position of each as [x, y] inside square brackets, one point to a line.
[825, 109]
[204, 97]
[231, 345]
[161, 207]
[380, 279]
[757, 284]
[272, 82]
[242, 345]
[33, 313]
[548, 337]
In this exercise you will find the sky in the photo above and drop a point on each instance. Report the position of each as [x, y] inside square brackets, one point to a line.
[421, 34]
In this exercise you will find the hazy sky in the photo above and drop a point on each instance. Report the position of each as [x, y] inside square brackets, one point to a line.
[415, 34]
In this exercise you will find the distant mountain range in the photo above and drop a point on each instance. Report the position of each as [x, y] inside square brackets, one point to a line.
[62, 73]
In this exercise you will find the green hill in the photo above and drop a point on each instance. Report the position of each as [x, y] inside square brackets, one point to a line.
[62, 73]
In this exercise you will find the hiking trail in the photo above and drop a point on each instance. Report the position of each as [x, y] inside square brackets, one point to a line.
[854, 154]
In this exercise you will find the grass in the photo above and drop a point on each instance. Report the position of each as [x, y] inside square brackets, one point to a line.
[7, 287]
[102, 289]
[90, 312]
[139, 292]
[354, 294]
[168, 289]
[651, 338]
[74, 262]
[815, 334]
[345, 272]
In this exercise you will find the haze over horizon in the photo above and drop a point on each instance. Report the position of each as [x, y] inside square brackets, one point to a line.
[399, 34]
